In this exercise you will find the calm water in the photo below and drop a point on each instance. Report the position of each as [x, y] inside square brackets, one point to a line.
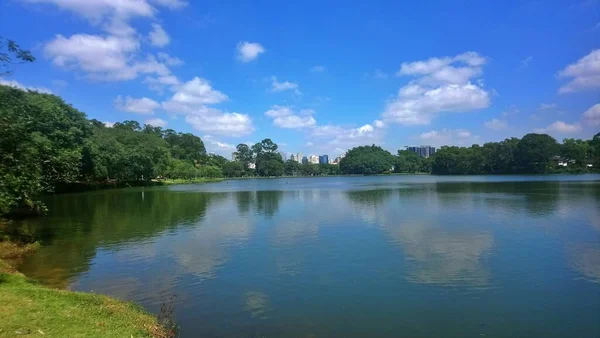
[411, 256]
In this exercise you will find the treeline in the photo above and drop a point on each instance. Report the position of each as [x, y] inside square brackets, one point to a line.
[45, 142]
[533, 154]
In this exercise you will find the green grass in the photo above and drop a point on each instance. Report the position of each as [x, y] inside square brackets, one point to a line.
[29, 309]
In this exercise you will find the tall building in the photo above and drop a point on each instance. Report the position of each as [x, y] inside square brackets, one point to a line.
[283, 156]
[293, 158]
[304, 160]
[299, 157]
[423, 151]
[323, 159]
[314, 159]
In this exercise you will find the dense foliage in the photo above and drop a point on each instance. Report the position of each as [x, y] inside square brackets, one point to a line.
[533, 154]
[367, 160]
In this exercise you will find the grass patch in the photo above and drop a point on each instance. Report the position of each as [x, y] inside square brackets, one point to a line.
[29, 309]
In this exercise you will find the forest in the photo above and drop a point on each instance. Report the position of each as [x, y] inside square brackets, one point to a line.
[47, 144]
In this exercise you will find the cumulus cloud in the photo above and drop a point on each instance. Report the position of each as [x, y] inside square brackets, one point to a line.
[108, 58]
[192, 99]
[156, 122]
[444, 85]
[340, 137]
[277, 86]
[459, 137]
[495, 124]
[168, 59]
[560, 127]
[143, 106]
[173, 4]
[229, 124]
[158, 36]
[285, 117]
[192, 94]
[583, 74]
[159, 83]
[249, 51]
[19, 85]
[592, 115]
[95, 10]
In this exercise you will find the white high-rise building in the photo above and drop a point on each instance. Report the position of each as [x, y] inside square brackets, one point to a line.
[293, 158]
[299, 157]
[314, 159]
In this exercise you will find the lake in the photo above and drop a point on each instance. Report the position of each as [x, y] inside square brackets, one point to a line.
[381, 256]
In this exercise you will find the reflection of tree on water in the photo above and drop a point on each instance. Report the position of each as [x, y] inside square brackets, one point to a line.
[264, 202]
[585, 259]
[78, 224]
[446, 257]
[369, 197]
[537, 199]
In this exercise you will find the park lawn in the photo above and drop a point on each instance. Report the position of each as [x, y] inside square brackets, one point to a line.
[32, 310]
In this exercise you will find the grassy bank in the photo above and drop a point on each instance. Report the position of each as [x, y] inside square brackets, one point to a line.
[27, 308]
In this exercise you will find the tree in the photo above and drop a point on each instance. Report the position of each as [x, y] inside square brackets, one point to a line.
[291, 168]
[268, 146]
[244, 154]
[534, 152]
[233, 169]
[367, 160]
[575, 152]
[10, 54]
[269, 168]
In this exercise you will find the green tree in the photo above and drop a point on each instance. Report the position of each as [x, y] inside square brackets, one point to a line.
[291, 168]
[367, 160]
[244, 154]
[10, 54]
[534, 152]
[233, 169]
[269, 168]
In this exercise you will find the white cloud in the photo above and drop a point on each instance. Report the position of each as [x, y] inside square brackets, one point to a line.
[249, 51]
[318, 69]
[592, 115]
[277, 86]
[172, 4]
[547, 106]
[285, 117]
[560, 127]
[159, 83]
[108, 124]
[156, 122]
[229, 124]
[459, 137]
[110, 58]
[442, 87]
[158, 36]
[191, 99]
[329, 137]
[526, 61]
[379, 124]
[193, 94]
[18, 85]
[96, 10]
[583, 74]
[143, 106]
[168, 59]
[495, 124]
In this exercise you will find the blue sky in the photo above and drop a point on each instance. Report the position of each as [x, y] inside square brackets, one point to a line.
[317, 77]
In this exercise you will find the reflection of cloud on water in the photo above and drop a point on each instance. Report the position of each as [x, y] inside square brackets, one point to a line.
[585, 259]
[450, 258]
[257, 304]
[202, 249]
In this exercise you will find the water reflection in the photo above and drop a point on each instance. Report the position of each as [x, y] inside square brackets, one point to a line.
[585, 259]
[264, 202]
[257, 304]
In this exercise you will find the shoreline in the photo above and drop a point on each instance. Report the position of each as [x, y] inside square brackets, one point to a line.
[31, 308]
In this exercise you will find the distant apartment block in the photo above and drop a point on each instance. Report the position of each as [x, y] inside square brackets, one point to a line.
[423, 151]
[314, 159]
[323, 159]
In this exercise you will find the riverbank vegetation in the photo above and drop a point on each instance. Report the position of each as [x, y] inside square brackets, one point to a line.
[47, 146]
